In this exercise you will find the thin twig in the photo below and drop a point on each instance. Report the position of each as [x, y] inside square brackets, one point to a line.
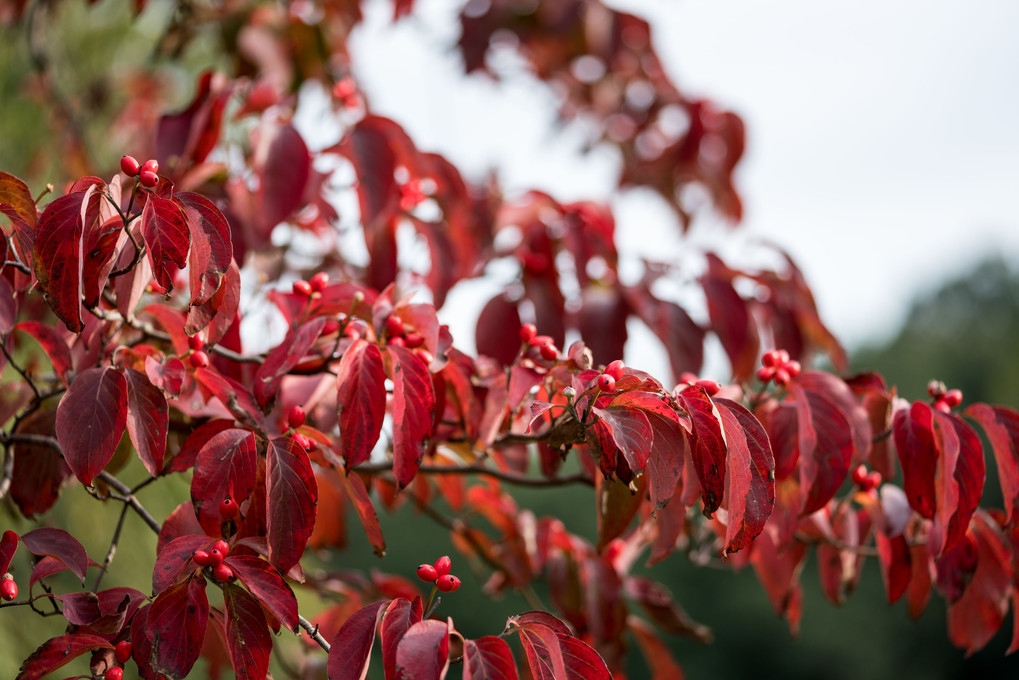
[127, 497]
[508, 477]
[312, 631]
[113, 548]
[19, 369]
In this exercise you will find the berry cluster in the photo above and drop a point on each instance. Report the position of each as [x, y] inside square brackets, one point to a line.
[214, 558]
[545, 344]
[866, 480]
[438, 574]
[147, 172]
[315, 285]
[944, 399]
[613, 372]
[198, 358]
[777, 366]
[122, 653]
[295, 419]
[8, 588]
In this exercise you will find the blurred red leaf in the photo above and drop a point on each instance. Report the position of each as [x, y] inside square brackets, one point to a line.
[283, 165]
[496, 333]
[975, 616]
[731, 318]
[659, 659]
[1001, 425]
[8, 548]
[365, 509]
[284, 357]
[52, 343]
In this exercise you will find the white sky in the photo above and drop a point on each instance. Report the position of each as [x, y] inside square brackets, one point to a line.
[883, 137]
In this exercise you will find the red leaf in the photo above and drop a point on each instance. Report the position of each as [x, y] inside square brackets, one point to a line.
[283, 165]
[914, 442]
[91, 418]
[57, 652]
[100, 234]
[824, 444]
[8, 547]
[413, 404]
[707, 447]
[1001, 424]
[375, 146]
[187, 137]
[247, 634]
[8, 305]
[57, 253]
[976, 616]
[226, 466]
[180, 522]
[104, 612]
[219, 313]
[423, 652]
[959, 480]
[173, 558]
[176, 624]
[659, 605]
[488, 658]
[351, 649]
[292, 494]
[360, 401]
[167, 239]
[494, 335]
[617, 505]
[749, 475]
[896, 564]
[17, 203]
[284, 357]
[147, 420]
[731, 318]
[52, 343]
[778, 569]
[185, 459]
[543, 652]
[630, 431]
[659, 659]
[59, 544]
[232, 394]
[39, 470]
[172, 321]
[581, 661]
[266, 584]
[682, 337]
[399, 617]
[365, 509]
[211, 248]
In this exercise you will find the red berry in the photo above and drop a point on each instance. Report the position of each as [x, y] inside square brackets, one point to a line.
[303, 441]
[781, 376]
[197, 341]
[302, 288]
[202, 558]
[874, 479]
[8, 588]
[549, 352]
[414, 340]
[331, 326]
[397, 340]
[222, 546]
[606, 383]
[443, 565]
[425, 355]
[129, 166]
[215, 558]
[942, 405]
[765, 373]
[935, 388]
[710, 387]
[227, 508]
[527, 332]
[223, 573]
[122, 652]
[319, 282]
[427, 573]
[539, 340]
[296, 417]
[615, 369]
[199, 359]
[687, 378]
[148, 179]
[770, 359]
[953, 398]
[781, 356]
[151, 165]
[394, 326]
[448, 583]
[115, 673]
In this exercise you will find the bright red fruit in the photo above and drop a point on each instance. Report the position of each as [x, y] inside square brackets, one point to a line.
[197, 341]
[859, 475]
[427, 573]
[448, 583]
[606, 383]
[8, 588]
[396, 340]
[222, 546]
[302, 288]
[202, 558]
[223, 573]
[539, 340]
[115, 673]
[528, 332]
[122, 652]
[148, 179]
[781, 376]
[414, 340]
[770, 359]
[296, 417]
[766, 373]
[129, 166]
[394, 326]
[710, 386]
[318, 282]
[443, 565]
[615, 369]
[227, 508]
[549, 352]
[303, 441]
[199, 359]
[953, 397]
[151, 165]
[215, 558]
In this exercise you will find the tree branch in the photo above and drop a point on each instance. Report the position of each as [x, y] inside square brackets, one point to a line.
[312, 631]
[508, 477]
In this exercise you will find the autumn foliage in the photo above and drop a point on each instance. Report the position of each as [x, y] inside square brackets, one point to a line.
[121, 310]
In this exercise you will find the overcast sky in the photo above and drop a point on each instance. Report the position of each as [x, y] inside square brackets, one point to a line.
[883, 144]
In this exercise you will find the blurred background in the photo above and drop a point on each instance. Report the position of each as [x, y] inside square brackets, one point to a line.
[882, 153]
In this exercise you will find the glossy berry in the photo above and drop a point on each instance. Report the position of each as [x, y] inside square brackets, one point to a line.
[427, 573]
[202, 558]
[129, 166]
[953, 398]
[115, 673]
[148, 179]
[319, 282]
[448, 583]
[710, 386]
[770, 359]
[793, 368]
[781, 376]
[606, 383]
[528, 332]
[549, 352]
[199, 359]
[443, 565]
[197, 341]
[615, 369]
[151, 165]
[215, 558]
[859, 475]
[227, 508]
[302, 288]
[539, 340]
[766, 373]
[8, 588]
[296, 417]
[303, 441]
[122, 652]
[414, 340]
[394, 326]
[397, 341]
[223, 573]
[222, 546]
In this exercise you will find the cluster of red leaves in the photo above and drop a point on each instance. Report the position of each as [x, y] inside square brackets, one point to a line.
[753, 477]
